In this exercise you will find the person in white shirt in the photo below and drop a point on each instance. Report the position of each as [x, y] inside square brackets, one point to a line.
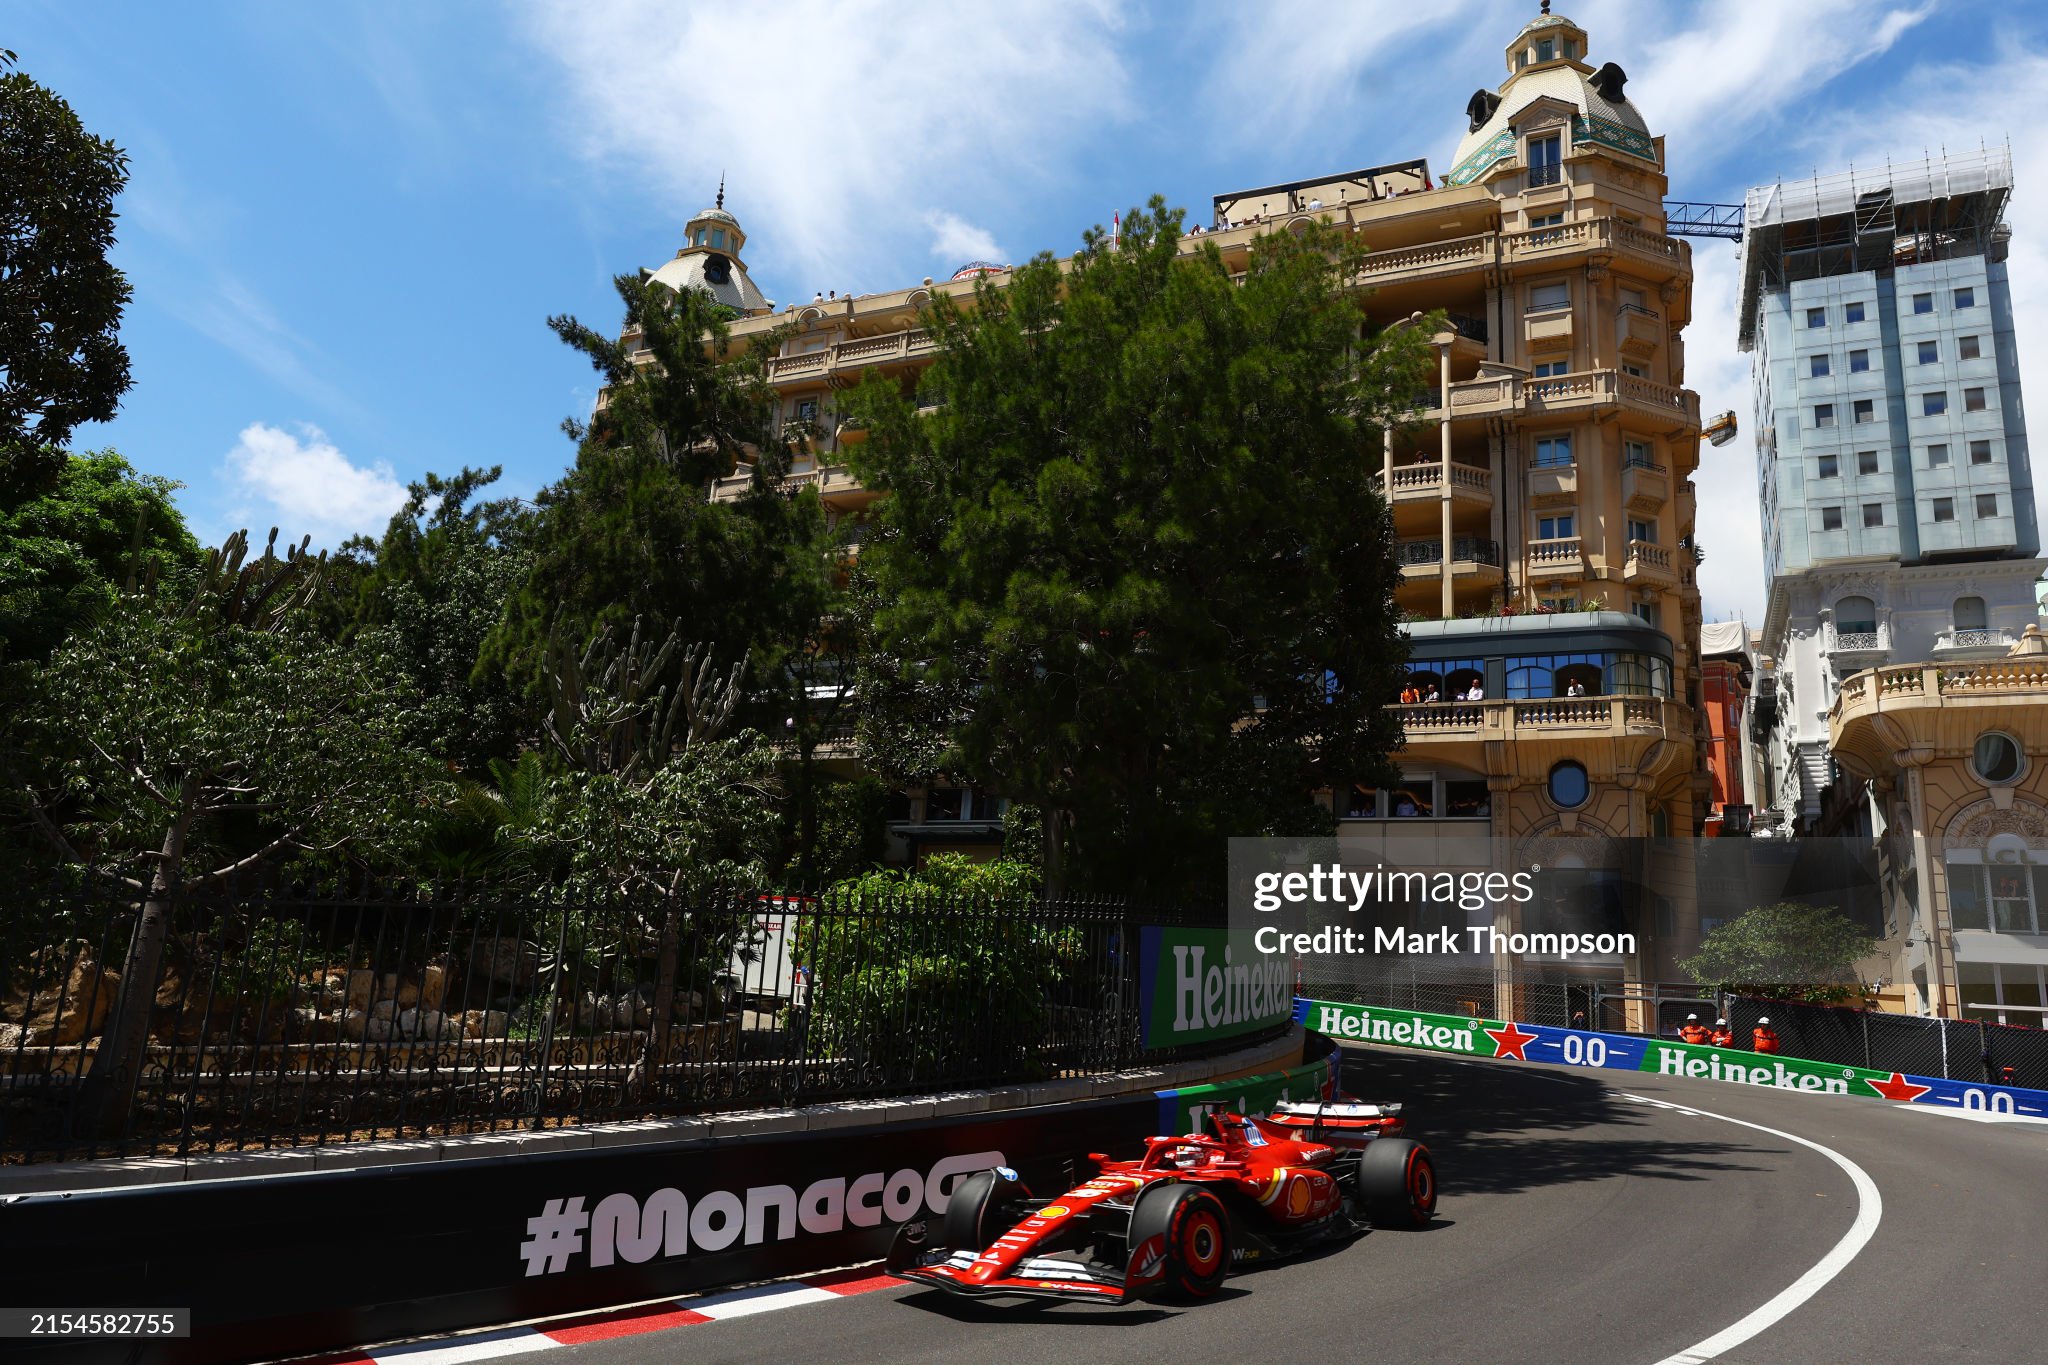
[1477, 693]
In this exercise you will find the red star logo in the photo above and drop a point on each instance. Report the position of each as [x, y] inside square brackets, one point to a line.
[1510, 1041]
[1898, 1088]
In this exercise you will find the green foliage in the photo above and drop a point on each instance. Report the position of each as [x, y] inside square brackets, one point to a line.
[925, 947]
[61, 359]
[1787, 951]
[852, 831]
[1138, 534]
[65, 554]
[433, 588]
[213, 744]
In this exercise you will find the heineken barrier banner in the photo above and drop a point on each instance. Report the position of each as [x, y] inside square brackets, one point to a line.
[1196, 985]
[1185, 1110]
[1484, 1038]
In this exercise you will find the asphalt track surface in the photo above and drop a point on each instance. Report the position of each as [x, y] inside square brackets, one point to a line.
[1577, 1224]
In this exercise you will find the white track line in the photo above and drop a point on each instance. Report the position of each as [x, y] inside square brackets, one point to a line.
[1869, 1209]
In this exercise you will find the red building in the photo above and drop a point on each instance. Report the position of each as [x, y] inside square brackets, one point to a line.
[1725, 667]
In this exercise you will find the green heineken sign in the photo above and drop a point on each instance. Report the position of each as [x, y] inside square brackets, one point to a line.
[1195, 985]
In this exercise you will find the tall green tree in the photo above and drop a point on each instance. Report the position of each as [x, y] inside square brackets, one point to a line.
[66, 552]
[1138, 531]
[184, 739]
[1788, 951]
[433, 588]
[61, 359]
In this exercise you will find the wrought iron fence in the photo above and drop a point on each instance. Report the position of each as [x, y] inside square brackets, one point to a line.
[289, 1017]
[1953, 1049]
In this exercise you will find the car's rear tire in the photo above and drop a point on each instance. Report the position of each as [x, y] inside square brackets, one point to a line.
[1395, 1183]
[1194, 1231]
[979, 1209]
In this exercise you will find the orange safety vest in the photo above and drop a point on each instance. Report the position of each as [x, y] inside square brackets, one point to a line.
[1766, 1041]
[1724, 1037]
[1693, 1033]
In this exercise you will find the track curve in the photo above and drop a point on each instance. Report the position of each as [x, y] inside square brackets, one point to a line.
[1580, 1223]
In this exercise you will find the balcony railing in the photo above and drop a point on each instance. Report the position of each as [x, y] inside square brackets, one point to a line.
[1464, 549]
[1872, 641]
[1556, 551]
[1542, 717]
[1938, 685]
[1972, 639]
[1428, 478]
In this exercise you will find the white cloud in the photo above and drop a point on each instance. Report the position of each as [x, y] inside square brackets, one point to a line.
[956, 241]
[842, 122]
[304, 485]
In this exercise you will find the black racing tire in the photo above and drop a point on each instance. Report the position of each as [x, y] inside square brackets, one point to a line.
[977, 1212]
[1195, 1230]
[1395, 1183]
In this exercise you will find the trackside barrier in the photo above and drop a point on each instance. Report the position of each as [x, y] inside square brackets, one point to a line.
[291, 1264]
[1493, 1038]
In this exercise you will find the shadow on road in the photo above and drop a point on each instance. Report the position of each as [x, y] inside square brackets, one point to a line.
[1500, 1129]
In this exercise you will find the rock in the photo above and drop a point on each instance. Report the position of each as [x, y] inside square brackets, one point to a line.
[506, 962]
[10, 1037]
[312, 1026]
[433, 985]
[61, 1015]
[593, 1011]
[387, 1010]
[431, 1025]
[350, 1025]
[377, 1030]
[407, 995]
[486, 1023]
[361, 983]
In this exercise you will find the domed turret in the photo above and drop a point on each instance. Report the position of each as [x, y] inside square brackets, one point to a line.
[710, 261]
[1548, 61]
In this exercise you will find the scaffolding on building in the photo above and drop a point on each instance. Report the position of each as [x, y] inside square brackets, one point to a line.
[1872, 218]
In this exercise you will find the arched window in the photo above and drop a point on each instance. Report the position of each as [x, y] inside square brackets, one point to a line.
[1856, 616]
[1580, 679]
[1969, 613]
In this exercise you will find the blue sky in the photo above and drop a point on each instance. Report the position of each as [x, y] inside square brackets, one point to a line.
[347, 223]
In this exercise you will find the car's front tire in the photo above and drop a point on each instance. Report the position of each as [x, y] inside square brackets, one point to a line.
[1193, 1229]
[979, 1209]
[1394, 1183]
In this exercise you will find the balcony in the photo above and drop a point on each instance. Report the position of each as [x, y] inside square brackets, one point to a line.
[1645, 487]
[1649, 564]
[1431, 260]
[1593, 390]
[1569, 719]
[1972, 644]
[850, 357]
[1553, 482]
[1564, 558]
[1471, 557]
[1864, 644]
[1880, 711]
[833, 482]
[1665, 256]
[1425, 483]
[1494, 395]
[1641, 331]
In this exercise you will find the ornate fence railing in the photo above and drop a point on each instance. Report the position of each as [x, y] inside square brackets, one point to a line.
[288, 1017]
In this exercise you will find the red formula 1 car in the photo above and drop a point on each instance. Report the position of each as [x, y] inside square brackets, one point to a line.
[1173, 1222]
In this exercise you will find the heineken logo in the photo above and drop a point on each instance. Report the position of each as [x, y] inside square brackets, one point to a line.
[1200, 984]
[1407, 1029]
[1673, 1061]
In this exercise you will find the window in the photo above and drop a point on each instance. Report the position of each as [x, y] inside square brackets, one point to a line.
[1555, 528]
[1645, 531]
[1944, 509]
[1817, 366]
[1544, 297]
[718, 237]
[1856, 616]
[1923, 303]
[1980, 452]
[1968, 349]
[1544, 369]
[1633, 300]
[1973, 400]
[1852, 312]
[1645, 612]
[1545, 220]
[1866, 462]
[1859, 361]
[1568, 786]
[700, 236]
[1545, 49]
[1969, 613]
[1987, 505]
[1995, 896]
[1830, 467]
[1361, 803]
[1415, 797]
[1637, 453]
[1553, 452]
[1937, 456]
[1930, 352]
[1933, 404]
[1816, 317]
[943, 803]
[1873, 514]
[1543, 159]
[1636, 370]
[1466, 798]
[1823, 414]
[1966, 297]
[1997, 758]
[1830, 518]
[1863, 411]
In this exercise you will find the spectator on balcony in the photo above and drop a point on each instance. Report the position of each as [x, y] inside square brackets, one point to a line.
[1431, 694]
[1477, 692]
[1410, 695]
[1575, 689]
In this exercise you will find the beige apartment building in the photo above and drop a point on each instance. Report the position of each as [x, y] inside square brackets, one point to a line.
[1541, 495]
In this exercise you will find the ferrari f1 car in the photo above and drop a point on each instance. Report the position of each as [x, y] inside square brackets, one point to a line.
[1172, 1223]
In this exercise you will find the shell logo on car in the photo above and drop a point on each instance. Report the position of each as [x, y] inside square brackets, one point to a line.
[1054, 1211]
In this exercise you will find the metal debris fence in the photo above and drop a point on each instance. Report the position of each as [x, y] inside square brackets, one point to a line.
[1953, 1049]
[289, 1016]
